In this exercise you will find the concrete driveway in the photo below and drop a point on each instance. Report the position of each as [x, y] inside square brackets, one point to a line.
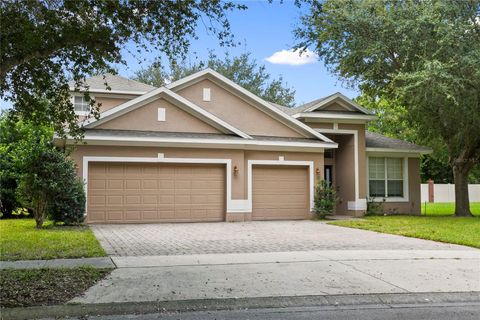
[267, 236]
[177, 262]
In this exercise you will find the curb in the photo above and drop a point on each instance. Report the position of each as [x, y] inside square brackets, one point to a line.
[94, 262]
[146, 307]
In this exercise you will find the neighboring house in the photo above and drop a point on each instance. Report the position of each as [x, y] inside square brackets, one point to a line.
[204, 149]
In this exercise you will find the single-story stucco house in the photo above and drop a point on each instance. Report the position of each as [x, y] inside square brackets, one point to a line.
[205, 149]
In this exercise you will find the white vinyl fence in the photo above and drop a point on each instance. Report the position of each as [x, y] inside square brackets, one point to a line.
[446, 192]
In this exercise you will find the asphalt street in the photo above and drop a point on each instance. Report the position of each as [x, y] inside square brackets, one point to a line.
[449, 311]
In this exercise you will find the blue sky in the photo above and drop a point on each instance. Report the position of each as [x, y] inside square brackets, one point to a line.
[264, 29]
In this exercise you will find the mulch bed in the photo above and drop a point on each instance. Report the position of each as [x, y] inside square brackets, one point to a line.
[34, 287]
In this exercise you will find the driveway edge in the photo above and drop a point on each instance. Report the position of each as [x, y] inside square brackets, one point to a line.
[72, 310]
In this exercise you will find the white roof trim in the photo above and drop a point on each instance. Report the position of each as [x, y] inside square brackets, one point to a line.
[271, 109]
[334, 96]
[336, 115]
[391, 150]
[198, 142]
[151, 96]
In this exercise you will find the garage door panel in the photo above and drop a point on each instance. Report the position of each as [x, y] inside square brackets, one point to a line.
[114, 184]
[150, 199]
[280, 192]
[114, 200]
[131, 192]
[96, 215]
[149, 184]
[132, 199]
[115, 215]
[150, 215]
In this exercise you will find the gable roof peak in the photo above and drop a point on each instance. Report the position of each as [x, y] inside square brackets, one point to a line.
[260, 103]
[318, 104]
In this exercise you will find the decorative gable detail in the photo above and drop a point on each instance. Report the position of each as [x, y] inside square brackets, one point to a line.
[277, 116]
[108, 118]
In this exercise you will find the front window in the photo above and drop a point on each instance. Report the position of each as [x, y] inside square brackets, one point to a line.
[385, 177]
[80, 104]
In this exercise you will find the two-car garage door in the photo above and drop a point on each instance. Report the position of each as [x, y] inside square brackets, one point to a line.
[161, 192]
[153, 192]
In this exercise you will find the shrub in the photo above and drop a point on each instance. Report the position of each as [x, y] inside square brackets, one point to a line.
[374, 208]
[48, 182]
[69, 207]
[324, 200]
[40, 177]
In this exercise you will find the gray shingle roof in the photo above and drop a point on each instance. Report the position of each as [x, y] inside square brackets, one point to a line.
[280, 107]
[162, 134]
[303, 107]
[376, 140]
[116, 83]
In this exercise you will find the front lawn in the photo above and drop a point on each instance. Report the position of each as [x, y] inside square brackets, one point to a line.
[32, 287]
[446, 208]
[464, 231]
[20, 240]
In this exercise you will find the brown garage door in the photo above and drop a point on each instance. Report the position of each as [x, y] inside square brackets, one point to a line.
[280, 193]
[139, 192]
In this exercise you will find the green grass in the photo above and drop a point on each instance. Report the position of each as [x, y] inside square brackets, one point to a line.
[32, 287]
[463, 231]
[447, 208]
[20, 240]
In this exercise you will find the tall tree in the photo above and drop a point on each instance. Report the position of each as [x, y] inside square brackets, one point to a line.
[392, 120]
[44, 42]
[242, 69]
[424, 54]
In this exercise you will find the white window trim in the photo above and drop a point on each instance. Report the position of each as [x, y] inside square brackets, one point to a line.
[80, 113]
[405, 197]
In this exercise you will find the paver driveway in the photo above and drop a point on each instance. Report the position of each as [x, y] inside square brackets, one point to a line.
[267, 236]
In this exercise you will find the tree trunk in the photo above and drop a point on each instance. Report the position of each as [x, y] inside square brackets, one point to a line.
[39, 215]
[462, 203]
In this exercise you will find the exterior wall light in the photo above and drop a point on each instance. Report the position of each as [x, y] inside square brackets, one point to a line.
[317, 172]
[235, 170]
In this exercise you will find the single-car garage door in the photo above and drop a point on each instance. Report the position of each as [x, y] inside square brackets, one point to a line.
[153, 192]
[280, 193]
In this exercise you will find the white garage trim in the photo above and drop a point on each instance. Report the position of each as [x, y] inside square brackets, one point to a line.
[232, 205]
[280, 162]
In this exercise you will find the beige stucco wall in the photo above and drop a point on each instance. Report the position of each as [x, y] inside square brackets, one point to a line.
[236, 111]
[145, 118]
[108, 103]
[344, 171]
[362, 160]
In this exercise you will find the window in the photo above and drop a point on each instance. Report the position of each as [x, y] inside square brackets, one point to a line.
[81, 105]
[385, 177]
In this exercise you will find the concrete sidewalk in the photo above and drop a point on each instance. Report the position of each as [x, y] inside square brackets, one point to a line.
[100, 262]
[250, 275]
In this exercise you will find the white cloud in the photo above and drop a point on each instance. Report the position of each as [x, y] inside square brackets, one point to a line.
[293, 57]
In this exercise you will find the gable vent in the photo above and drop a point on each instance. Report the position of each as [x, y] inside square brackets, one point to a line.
[206, 94]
